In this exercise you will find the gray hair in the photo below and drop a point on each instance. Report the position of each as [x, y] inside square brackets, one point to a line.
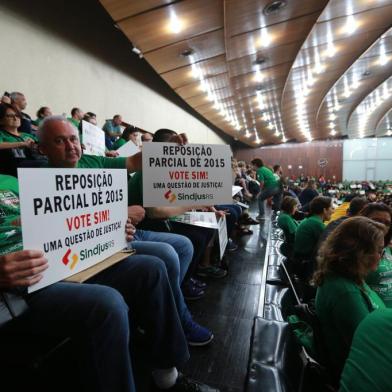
[14, 95]
[43, 127]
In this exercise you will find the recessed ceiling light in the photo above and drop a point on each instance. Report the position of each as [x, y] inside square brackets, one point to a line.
[260, 60]
[187, 52]
[175, 24]
[274, 7]
[351, 25]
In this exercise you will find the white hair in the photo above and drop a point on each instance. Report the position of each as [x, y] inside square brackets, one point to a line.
[43, 127]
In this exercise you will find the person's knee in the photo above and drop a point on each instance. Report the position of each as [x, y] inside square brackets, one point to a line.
[168, 254]
[151, 267]
[108, 304]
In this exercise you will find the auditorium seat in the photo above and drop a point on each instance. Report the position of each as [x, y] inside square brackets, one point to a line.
[274, 360]
[36, 362]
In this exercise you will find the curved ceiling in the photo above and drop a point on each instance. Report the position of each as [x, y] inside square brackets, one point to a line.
[266, 72]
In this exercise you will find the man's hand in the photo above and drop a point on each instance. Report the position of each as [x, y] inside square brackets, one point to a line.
[136, 214]
[181, 139]
[28, 143]
[129, 230]
[112, 154]
[5, 99]
[134, 163]
[22, 268]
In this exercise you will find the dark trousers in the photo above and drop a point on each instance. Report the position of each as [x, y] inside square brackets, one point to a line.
[95, 314]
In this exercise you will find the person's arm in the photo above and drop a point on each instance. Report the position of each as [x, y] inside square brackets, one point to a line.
[136, 213]
[22, 268]
[134, 163]
[292, 226]
[260, 179]
[8, 145]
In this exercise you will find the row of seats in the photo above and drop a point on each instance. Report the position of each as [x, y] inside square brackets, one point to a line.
[278, 363]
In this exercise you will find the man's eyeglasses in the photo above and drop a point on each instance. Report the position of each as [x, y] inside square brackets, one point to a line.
[12, 116]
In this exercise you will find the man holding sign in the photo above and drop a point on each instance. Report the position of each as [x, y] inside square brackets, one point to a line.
[59, 141]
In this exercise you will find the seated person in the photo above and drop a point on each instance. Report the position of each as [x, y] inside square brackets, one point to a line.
[343, 298]
[311, 228]
[42, 113]
[308, 194]
[130, 133]
[157, 220]
[167, 247]
[112, 129]
[16, 147]
[76, 117]
[97, 309]
[19, 102]
[356, 205]
[369, 363]
[288, 224]
[381, 279]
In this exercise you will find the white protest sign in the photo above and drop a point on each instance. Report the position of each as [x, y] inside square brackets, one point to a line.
[208, 220]
[128, 149]
[93, 139]
[75, 216]
[236, 189]
[194, 174]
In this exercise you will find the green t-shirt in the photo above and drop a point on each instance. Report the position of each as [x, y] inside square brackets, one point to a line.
[135, 189]
[289, 226]
[10, 230]
[369, 364]
[287, 223]
[74, 122]
[381, 280]
[341, 305]
[118, 143]
[97, 162]
[266, 175]
[6, 137]
[307, 236]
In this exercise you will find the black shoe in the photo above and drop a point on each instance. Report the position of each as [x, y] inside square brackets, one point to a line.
[185, 384]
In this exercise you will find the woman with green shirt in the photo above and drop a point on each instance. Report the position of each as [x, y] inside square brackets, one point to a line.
[310, 229]
[381, 279]
[288, 224]
[42, 113]
[130, 133]
[343, 298]
[15, 146]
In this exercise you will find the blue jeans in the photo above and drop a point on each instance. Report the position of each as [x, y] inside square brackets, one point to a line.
[176, 251]
[96, 315]
[267, 193]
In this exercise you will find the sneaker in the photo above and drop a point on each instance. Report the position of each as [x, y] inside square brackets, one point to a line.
[231, 246]
[185, 384]
[197, 335]
[192, 292]
[211, 272]
[198, 283]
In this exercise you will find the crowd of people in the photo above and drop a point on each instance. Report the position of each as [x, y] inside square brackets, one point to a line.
[150, 288]
[338, 249]
[337, 241]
